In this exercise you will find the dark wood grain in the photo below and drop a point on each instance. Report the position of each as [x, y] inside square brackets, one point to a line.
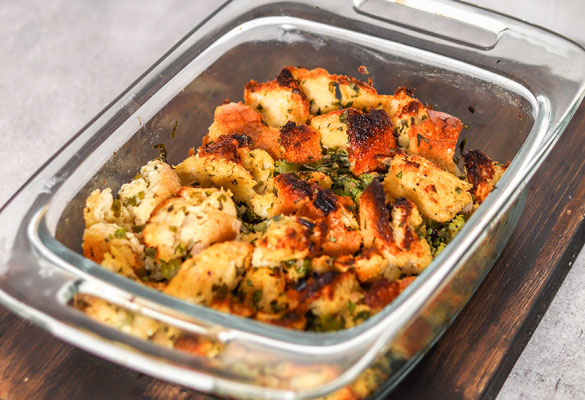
[471, 361]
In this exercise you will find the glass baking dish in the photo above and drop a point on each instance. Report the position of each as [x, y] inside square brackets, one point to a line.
[522, 83]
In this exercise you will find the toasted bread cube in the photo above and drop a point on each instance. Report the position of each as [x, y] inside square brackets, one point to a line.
[371, 266]
[438, 194]
[482, 173]
[264, 289]
[384, 291]
[332, 129]
[279, 100]
[230, 163]
[371, 138]
[319, 88]
[191, 221]
[136, 200]
[238, 118]
[423, 132]
[357, 94]
[306, 199]
[156, 182]
[394, 238]
[99, 208]
[331, 293]
[367, 137]
[212, 273]
[300, 143]
[114, 248]
[443, 140]
[286, 239]
[209, 171]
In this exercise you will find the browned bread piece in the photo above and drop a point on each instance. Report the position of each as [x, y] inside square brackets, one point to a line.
[279, 101]
[238, 118]
[300, 143]
[393, 235]
[211, 273]
[306, 199]
[367, 137]
[438, 194]
[191, 221]
[482, 173]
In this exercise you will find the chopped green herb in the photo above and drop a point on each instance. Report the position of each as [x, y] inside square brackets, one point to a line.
[343, 116]
[130, 202]
[419, 137]
[362, 315]
[275, 307]
[256, 296]
[169, 269]
[120, 233]
[351, 306]
[282, 167]
[180, 249]
[304, 268]
[399, 175]
[150, 251]
[220, 291]
[116, 207]
[332, 87]
[332, 239]
[174, 131]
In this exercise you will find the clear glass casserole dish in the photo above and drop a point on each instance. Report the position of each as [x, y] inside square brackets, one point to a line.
[523, 83]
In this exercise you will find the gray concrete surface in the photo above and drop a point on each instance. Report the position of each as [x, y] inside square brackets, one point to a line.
[62, 61]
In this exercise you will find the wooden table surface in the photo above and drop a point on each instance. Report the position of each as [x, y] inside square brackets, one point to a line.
[472, 360]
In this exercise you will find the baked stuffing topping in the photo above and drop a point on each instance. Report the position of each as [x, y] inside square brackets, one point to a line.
[311, 206]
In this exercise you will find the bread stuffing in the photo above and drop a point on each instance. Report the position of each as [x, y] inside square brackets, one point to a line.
[312, 204]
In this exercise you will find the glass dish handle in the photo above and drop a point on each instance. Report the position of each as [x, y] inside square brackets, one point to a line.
[439, 18]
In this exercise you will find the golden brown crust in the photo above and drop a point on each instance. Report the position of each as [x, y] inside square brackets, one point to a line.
[288, 249]
[436, 139]
[393, 235]
[482, 173]
[383, 292]
[238, 118]
[306, 199]
[371, 139]
[287, 238]
[317, 85]
[226, 147]
[438, 194]
[300, 143]
[279, 101]
[355, 93]
[421, 131]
